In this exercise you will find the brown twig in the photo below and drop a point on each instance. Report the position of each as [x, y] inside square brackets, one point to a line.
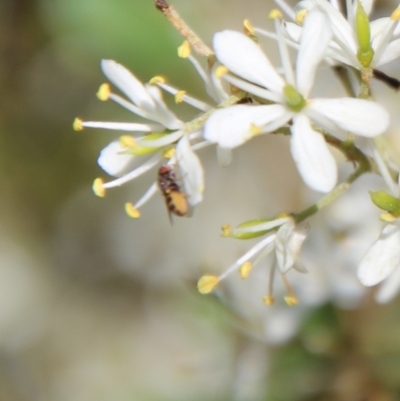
[386, 79]
[198, 45]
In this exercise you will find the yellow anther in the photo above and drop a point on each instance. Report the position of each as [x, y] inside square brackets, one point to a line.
[395, 14]
[220, 71]
[77, 125]
[104, 92]
[179, 96]
[300, 16]
[184, 49]
[127, 141]
[245, 269]
[291, 300]
[226, 230]
[275, 14]
[387, 217]
[268, 300]
[98, 188]
[131, 211]
[248, 28]
[207, 283]
[168, 153]
[157, 80]
[255, 130]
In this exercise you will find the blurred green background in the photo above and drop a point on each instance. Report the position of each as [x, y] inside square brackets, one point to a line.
[95, 306]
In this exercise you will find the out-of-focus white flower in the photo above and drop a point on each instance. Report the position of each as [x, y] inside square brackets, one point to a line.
[278, 253]
[285, 244]
[130, 157]
[233, 126]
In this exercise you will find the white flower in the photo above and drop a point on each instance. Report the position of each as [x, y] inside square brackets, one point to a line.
[284, 244]
[344, 47]
[234, 125]
[132, 156]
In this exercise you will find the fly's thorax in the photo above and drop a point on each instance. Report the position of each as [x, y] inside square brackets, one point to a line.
[167, 180]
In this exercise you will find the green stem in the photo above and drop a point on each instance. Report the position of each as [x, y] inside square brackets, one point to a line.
[365, 84]
[364, 91]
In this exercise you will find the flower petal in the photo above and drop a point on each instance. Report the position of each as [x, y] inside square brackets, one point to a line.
[382, 258]
[191, 170]
[292, 30]
[232, 126]
[342, 30]
[383, 40]
[389, 288]
[378, 26]
[359, 116]
[127, 83]
[114, 160]
[287, 246]
[310, 152]
[315, 38]
[389, 53]
[246, 59]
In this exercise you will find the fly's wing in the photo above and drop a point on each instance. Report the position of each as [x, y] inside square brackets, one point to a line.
[171, 220]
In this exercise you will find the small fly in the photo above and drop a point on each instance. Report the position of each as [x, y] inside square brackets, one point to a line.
[175, 199]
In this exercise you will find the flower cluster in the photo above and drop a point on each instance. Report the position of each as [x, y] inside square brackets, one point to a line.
[248, 97]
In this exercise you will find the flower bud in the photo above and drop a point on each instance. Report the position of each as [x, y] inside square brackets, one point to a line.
[365, 52]
[386, 202]
[249, 229]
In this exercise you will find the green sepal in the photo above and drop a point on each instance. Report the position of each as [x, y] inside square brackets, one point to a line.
[386, 202]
